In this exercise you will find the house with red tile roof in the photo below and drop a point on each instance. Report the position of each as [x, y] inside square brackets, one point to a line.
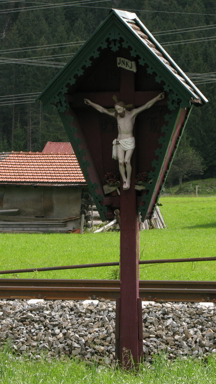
[41, 187]
[57, 147]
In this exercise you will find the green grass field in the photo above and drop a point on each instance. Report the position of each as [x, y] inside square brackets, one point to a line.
[191, 232]
[24, 371]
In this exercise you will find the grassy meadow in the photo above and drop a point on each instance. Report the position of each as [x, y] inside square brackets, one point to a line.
[191, 228]
[24, 371]
[206, 187]
[191, 232]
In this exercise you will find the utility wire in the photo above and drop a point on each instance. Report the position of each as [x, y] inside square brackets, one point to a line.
[16, 100]
[38, 60]
[188, 41]
[64, 45]
[184, 30]
[42, 3]
[20, 95]
[175, 12]
[22, 98]
[51, 56]
[51, 6]
[201, 74]
[18, 103]
[76, 43]
[204, 81]
[142, 10]
[60, 64]
[154, 11]
[40, 47]
[21, 1]
[32, 101]
[38, 64]
[69, 44]
[201, 78]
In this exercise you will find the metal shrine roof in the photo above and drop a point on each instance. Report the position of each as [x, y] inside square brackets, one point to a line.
[144, 35]
[151, 47]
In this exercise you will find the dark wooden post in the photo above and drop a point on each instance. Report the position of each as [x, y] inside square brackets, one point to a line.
[129, 317]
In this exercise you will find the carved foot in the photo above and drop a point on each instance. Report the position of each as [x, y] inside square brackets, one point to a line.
[126, 185]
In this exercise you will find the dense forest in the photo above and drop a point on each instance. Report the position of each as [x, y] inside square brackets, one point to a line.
[38, 38]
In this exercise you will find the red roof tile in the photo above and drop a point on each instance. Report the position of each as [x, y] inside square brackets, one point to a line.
[38, 168]
[56, 147]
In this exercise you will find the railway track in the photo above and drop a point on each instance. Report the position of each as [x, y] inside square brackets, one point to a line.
[49, 289]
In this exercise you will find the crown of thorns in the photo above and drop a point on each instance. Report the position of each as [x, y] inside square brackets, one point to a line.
[121, 104]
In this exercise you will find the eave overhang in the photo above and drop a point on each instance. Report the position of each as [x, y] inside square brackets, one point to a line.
[141, 39]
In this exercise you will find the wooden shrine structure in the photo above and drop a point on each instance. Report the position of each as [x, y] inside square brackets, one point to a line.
[122, 60]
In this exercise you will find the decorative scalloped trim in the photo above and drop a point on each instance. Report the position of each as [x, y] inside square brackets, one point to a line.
[174, 101]
[58, 99]
[84, 164]
[156, 163]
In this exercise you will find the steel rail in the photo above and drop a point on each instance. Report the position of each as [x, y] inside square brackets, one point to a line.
[191, 291]
[106, 283]
[80, 266]
[58, 268]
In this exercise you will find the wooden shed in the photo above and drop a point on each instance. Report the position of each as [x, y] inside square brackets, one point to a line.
[40, 191]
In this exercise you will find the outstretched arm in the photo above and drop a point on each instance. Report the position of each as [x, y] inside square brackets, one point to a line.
[148, 105]
[98, 107]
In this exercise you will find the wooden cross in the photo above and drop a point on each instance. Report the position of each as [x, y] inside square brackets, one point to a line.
[128, 313]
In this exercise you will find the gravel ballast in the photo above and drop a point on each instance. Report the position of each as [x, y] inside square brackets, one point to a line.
[86, 329]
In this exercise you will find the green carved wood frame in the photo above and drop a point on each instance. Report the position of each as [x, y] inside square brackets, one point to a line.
[116, 35]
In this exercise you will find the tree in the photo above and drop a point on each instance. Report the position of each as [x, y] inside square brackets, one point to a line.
[187, 162]
[20, 138]
[77, 23]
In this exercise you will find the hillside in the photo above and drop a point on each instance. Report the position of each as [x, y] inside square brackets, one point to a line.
[37, 40]
[206, 187]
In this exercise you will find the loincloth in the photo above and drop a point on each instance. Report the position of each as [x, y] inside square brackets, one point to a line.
[125, 144]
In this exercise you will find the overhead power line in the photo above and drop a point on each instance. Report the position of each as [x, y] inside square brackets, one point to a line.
[51, 6]
[184, 30]
[156, 11]
[17, 95]
[24, 98]
[174, 12]
[49, 57]
[128, 9]
[39, 63]
[190, 74]
[78, 43]
[18, 103]
[40, 47]
[21, 1]
[37, 60]
[188, 41]
[17, 99]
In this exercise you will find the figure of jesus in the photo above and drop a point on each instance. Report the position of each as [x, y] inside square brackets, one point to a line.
[124, 145]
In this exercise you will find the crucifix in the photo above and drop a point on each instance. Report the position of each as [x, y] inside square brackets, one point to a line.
[124, 145]
[128, 313]
[122, 58]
